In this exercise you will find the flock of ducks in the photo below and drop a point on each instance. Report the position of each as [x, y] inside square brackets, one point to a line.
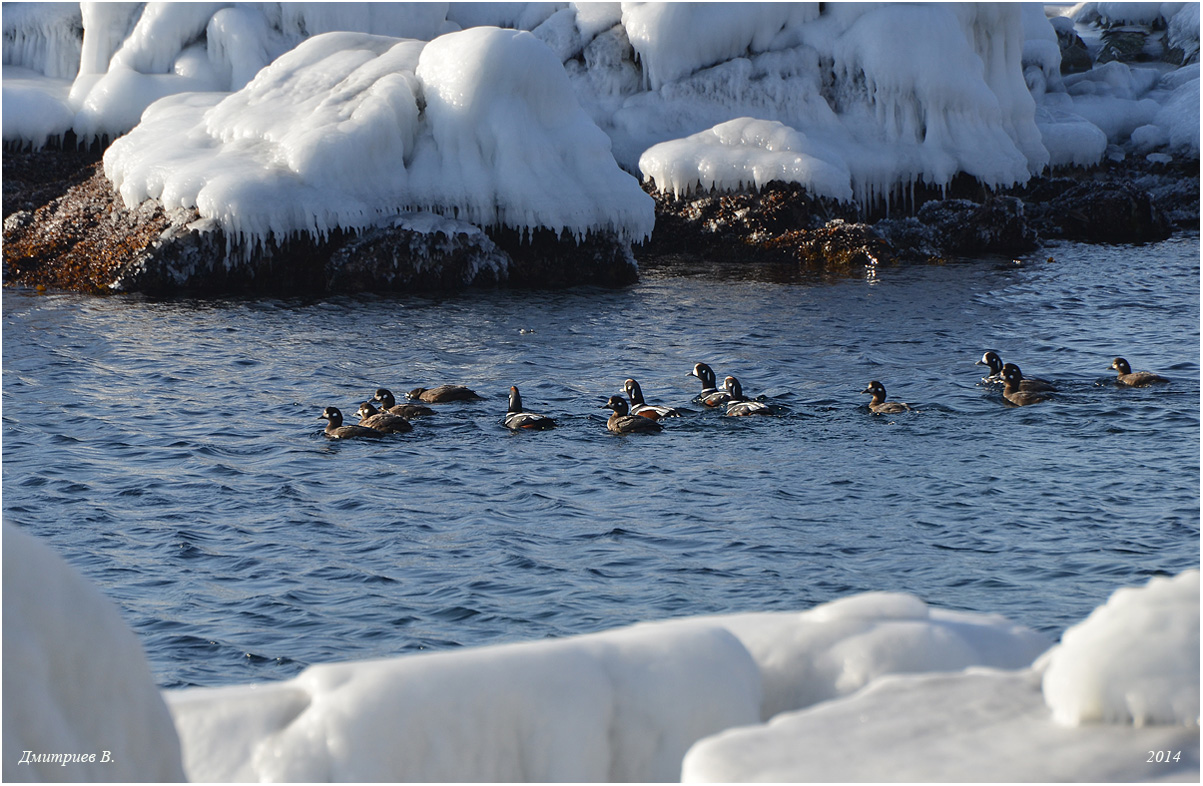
[640, 417]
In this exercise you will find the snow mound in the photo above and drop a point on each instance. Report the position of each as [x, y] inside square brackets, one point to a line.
[1134, 660]
[75, 679]
[616, 706]
[945, 95]
[743, 153]
[971, 726]
[331, 135]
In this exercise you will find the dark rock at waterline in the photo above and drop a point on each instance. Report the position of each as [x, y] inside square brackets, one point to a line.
[84, 239]
[1098, 212]
[780, 223]
[66, 228]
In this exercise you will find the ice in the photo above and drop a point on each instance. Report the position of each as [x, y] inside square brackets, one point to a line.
[674, 40]
[43, 37]
[877, 687]
[331, 135]
[916, 93]
[35, 107]
[1121, 687]
[744, 153]
[75, 678]
[875, 99]
[1134, 660]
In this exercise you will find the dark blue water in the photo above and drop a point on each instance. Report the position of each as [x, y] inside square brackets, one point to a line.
[172, 452]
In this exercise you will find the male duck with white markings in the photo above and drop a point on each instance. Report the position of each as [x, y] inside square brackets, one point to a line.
[741, 405]
[996, 365]
[516, 418]
[642, 408]
[710, 396]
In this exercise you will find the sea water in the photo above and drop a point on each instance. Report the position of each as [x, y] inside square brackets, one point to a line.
[172, 451]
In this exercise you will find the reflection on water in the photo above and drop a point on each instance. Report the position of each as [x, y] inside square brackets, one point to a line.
[172, 451]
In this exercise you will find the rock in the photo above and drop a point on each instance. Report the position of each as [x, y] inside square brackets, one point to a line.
[86, 240]
[418, 252]
[1075, 57]
[996, 226]
[1108, 212]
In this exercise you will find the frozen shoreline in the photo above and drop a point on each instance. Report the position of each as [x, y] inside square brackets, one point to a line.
[870, 687]
[248, 134]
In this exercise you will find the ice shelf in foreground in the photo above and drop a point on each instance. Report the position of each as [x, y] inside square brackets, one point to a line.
[876, 686]
[76, 682]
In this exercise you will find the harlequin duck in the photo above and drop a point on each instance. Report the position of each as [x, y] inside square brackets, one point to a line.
[643, 409]
[741, 405]
[443, 394]
[382, 421]
[336, 430]
[996, 365]
[621, 422]
[389, 404]
[879, 405]
[710, 395]
[1014, 392]
[516, 419]
[1029, 385]
[1134, 379]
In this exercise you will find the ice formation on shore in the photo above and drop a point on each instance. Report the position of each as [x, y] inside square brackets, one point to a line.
[877, 686]
[331, 134]
[76, 682]
[870, 98]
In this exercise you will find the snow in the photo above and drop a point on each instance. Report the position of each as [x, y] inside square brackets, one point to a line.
[1132, 661]
[877, 686]
[75, 678]
[331, 135]
[1119, 687]
[674, 40]
[949, 97]
[743, 153]
[869, 99]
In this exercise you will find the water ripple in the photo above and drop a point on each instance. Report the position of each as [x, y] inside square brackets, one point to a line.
[172, 452]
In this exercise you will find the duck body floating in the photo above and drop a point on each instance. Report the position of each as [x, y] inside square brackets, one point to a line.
[1124, 375]
[517, 419]
[335, 429]
[622, 422]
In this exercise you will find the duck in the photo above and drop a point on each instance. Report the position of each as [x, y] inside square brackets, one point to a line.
[516, 419]
[643, 409]
[1014, 392]
[622, 422]
[336, 430]
[382, 421]
[710, 396]
[443, 394]
[388, 403]
[1134, 379]
[996, 365]
[878, 405]
[739, 404]
[1030, 385]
